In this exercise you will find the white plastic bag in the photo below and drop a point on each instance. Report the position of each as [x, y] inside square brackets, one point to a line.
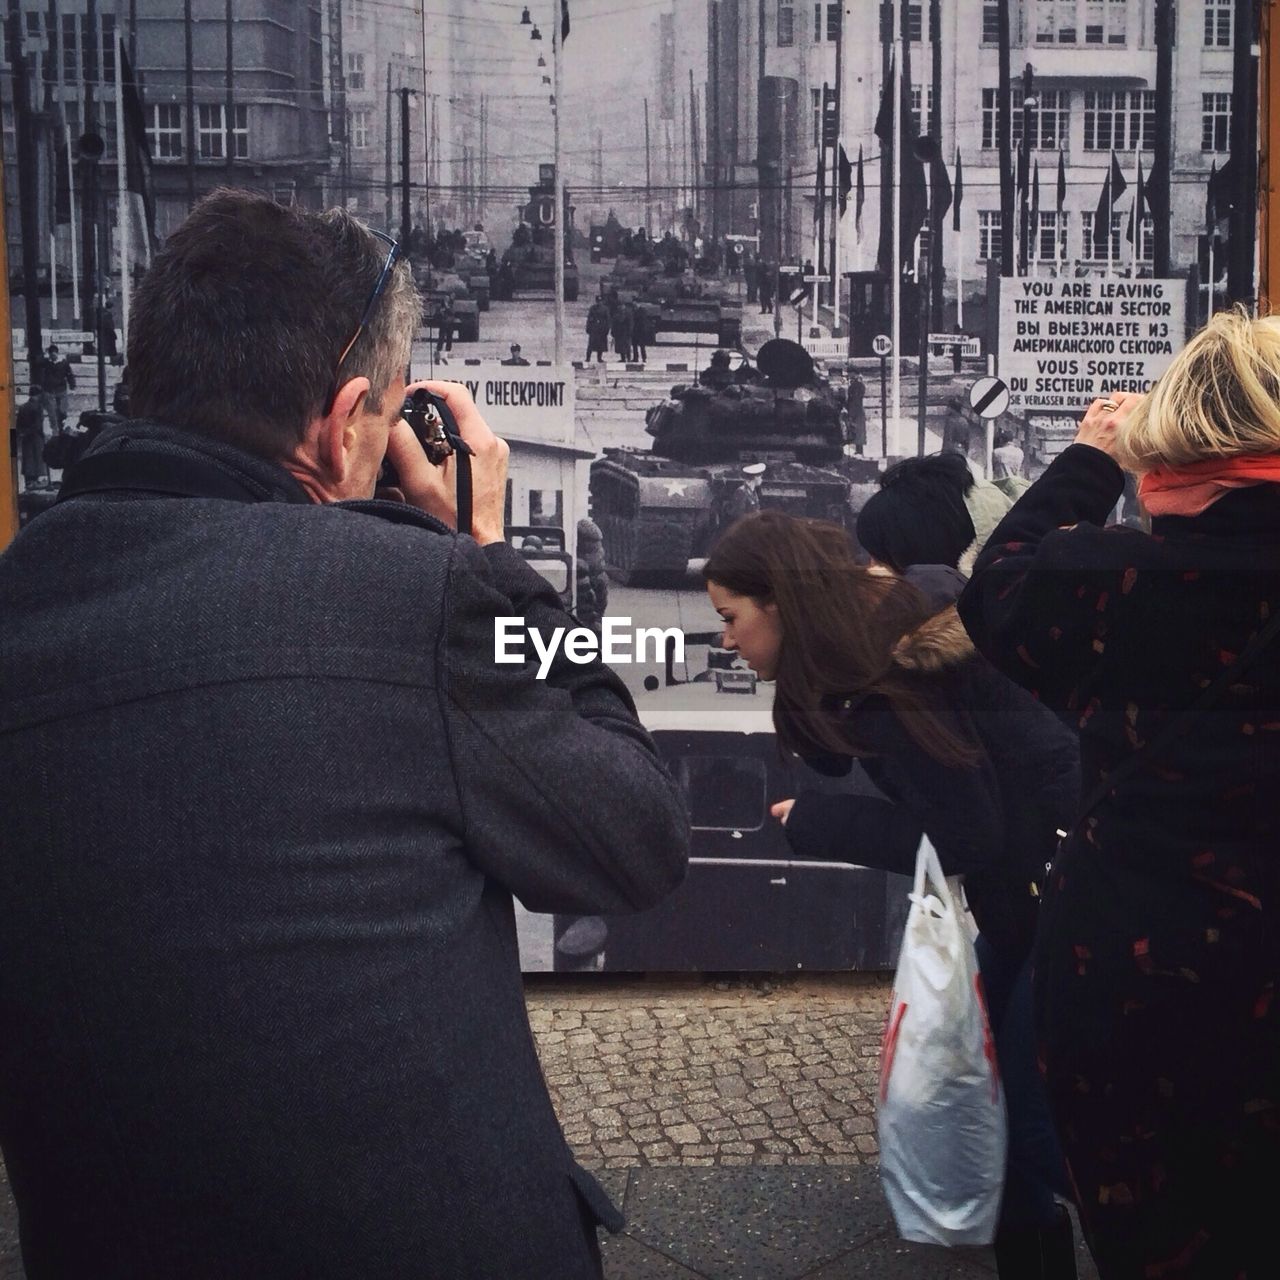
[941, 1120]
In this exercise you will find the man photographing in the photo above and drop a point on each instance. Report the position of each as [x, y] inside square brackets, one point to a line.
[269, 798]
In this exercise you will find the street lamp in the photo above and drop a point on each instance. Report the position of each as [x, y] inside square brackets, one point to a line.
[561, 231]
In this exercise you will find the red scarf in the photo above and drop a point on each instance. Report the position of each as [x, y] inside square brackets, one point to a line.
[1194, 488]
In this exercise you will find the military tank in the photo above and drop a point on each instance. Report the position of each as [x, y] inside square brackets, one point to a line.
[660, 508]
[679, 303]
[433, 287]
[529, 262]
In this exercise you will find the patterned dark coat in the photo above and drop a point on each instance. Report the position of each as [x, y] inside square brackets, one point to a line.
[267, 800]
[1160, 947]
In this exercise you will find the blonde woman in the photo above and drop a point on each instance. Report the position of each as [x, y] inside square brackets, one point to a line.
[1159, 947]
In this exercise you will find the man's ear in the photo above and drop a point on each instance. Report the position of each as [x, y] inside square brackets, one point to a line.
[337, 437]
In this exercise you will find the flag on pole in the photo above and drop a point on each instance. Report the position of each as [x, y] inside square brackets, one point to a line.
[860, 196]
[846, 178]
[1062, 183]
[1113, 186]
[957, 194]
[1136, 210]
[564, 21]
[137, 148]
[941, 185]
[913, 200]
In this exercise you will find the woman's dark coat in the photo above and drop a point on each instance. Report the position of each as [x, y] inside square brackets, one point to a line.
[993, 823]
[1159, 951]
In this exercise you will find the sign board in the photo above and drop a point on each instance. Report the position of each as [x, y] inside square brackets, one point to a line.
[826, 348]
[789, 269]
[988, 397]
[1064, 342]
[882, 345]
[534, 402]
[736, 239]
[816, 279]
[969, 345]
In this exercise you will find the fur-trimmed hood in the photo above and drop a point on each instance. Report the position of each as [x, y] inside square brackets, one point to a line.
[938, 643]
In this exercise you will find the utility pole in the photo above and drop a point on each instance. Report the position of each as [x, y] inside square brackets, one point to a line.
[89, 227]
[27, 200]
[188, 30]
[426, 133]
[1242, 226]
[387, 222]
[1160, 182]
[230, 107]
[406, 208]
[648, 176]
[695, 171]
[562, 204]
[937, 268]
[1004, 141]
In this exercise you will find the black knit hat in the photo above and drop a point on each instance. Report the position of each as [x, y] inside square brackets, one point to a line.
[919, 515]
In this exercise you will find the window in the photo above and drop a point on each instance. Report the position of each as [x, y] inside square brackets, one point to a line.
[240, 131]
[1050, 119]
[360, 128]
[1106, 21]
[1215, 122]
[989, 236]
[1217, 24]
[991, 24]
[1049, 239]
[1147, 240]
[786, 22]
[915, 22]
[1055, 21]
[359, 15]
[211, 135]
[831, 12]
[355, 71]
[164, 130]
[921, 96]
[815, 99]
[1097, 252]
[78, 54]
[1122, 119]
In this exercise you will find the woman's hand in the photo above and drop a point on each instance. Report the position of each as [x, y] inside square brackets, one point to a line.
[782, 810]
[1104, 418]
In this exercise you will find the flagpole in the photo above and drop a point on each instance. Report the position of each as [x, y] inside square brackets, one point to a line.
[561, 232]
[837, 214]
[124, 223]
[1137, 211]
[71, 165]
[959, 229]
[895, 267]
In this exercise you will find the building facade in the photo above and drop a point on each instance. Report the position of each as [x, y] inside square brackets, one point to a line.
[1093, 77]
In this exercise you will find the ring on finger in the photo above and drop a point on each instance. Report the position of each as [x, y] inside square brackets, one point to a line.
[1110, 406]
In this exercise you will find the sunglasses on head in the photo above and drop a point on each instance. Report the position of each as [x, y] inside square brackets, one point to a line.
[393, 255]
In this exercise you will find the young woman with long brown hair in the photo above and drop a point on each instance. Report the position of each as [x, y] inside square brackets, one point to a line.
[875, 666]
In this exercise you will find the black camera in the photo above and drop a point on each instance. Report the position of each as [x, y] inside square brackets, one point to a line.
[432, 421]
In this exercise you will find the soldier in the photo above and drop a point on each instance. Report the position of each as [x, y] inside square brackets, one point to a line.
[856, 408]
[56, 380]
[751, 273]
[597, 331]
[746, 497]
[106, 327]
[444, 329]
[768, 278]
[622, 330]
[516, 358]
[717, 375]
[641, 333]
[30, 427]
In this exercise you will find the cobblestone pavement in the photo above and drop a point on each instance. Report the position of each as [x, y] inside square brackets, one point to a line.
[694, 1072]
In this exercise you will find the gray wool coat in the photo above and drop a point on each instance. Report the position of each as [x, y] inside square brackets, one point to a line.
[267, 799]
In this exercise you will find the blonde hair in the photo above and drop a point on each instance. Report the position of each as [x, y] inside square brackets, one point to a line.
[1218, 399]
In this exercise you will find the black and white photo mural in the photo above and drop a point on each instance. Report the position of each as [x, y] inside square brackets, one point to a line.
[955, 222]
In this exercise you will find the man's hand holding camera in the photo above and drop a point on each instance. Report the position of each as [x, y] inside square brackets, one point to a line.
[434, 489]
